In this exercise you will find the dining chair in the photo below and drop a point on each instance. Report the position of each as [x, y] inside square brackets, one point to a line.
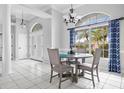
[94, 66]
[57, 66]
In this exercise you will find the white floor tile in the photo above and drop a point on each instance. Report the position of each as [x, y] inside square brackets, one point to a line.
[72, 87]
[23, 83]
[114, 83]
[107, 86]
[44, 85]
[37, 80]
[9, 85]
[30, 74]
[5, 80]
[16, 77]
[97, 85]
[122, 84]
[34, 87]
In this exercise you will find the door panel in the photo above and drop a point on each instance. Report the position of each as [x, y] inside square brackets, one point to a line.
[37, 46]
[22, 46]
[33, 49]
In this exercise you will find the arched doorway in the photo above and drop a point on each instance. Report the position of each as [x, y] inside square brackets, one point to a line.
[36, 42]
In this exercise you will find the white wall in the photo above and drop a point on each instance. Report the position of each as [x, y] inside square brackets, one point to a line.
[0, 41]
[0, 18]
[115, 11]
[0, 14]
[0, 28]
[122, 45]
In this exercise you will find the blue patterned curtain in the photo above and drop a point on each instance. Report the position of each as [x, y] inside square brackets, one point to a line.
[72, 37]
[114, 46]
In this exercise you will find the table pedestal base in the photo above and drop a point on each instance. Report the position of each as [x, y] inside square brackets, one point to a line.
[75, 78]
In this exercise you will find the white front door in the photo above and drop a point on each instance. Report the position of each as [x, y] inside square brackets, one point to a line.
[22, 46]
[36, 46]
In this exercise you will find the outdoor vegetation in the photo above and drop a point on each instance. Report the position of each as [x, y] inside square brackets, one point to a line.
[98, 39]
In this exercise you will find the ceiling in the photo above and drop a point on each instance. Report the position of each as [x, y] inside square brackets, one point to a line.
[63, 8]
[60, 7]
[36, 6]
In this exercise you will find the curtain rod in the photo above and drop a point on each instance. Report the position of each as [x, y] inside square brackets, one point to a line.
[121, 18]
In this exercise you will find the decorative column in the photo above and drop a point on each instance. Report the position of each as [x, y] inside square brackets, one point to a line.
[57, 29]
[6, 60]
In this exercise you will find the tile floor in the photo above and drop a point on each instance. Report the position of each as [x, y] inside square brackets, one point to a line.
[30, 74]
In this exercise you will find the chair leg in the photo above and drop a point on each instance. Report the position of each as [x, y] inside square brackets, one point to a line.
[72, 76]
[82, 72]
[97, 74]
[92, 78]
[83, 60]
[60, 81]
[79, 71]
[58, 75]
[51, 76]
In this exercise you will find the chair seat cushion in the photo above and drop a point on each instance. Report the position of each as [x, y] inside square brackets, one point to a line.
[61, 68]
[85, 66]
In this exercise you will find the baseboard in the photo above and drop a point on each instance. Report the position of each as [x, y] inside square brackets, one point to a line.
[23, 58]
[36, 60]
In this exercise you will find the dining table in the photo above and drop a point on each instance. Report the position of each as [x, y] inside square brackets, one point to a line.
[74, 56]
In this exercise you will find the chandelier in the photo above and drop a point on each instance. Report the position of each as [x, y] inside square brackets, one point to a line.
[71, 17]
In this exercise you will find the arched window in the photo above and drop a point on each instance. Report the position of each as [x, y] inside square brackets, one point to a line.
[92, 19]
[37, 27]
[93, 33]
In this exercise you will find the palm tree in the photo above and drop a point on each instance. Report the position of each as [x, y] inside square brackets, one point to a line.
[86, 35]
[82, 35]
[96, 36]
[99, 36]
[105, 33]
